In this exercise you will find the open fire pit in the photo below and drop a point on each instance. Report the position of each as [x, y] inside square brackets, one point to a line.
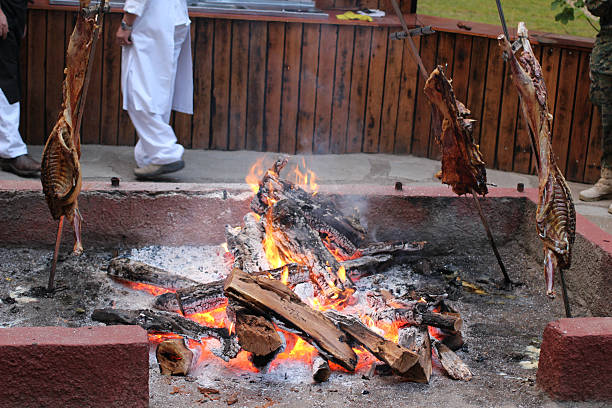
[429, 274]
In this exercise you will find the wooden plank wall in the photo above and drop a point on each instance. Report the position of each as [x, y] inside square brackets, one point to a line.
[322, 88]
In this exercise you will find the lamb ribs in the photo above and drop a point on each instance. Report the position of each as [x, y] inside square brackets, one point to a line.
[555, 215]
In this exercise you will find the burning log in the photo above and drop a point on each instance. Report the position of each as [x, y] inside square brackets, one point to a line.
[286, 225]
[397, 357]
[345, 234]
[162, 322]
[200, 298]
[292, 274]
[134, 271]
[246, 245]
[256, 334]
[453, 365]
[414, 314]
[416, 339]
[320, 369]
[173, 357]
[267, 296]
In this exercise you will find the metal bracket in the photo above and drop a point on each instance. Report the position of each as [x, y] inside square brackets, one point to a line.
[401, 35]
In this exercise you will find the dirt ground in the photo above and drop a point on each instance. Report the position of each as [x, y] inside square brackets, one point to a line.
[502, 332]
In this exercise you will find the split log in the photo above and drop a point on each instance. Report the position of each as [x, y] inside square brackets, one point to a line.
[397, 357]
[246, 245]
[416, 339]
[320, 369]
[286, 224]
[271, 297]
[453, 365]
[392, 248]
[345, 234]
[173, 357]
[200, 298]
[161, 322]
[414, 315]
[134, 271]
[256, 334]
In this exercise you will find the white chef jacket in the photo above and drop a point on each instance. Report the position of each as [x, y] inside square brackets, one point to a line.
[147, 67]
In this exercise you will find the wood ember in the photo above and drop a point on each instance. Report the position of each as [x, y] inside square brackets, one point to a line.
[173, 357]
[345, 234]
[246, 245]
[256, 334]
[134, 271]
[462, 165]
[162, 322]
[286, 225]
[416, 339]
[199, 298]
[320, 369]
[397, 357]
[270, 297]
[453, 365]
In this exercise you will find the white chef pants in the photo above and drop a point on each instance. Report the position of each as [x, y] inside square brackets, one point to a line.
[157, 143]
[11, 144]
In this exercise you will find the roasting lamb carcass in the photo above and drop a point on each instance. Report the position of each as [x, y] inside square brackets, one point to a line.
[60, 166]
[462, 165]
[556, 216]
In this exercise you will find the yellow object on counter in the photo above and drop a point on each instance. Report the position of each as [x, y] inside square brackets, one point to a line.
[349, 15]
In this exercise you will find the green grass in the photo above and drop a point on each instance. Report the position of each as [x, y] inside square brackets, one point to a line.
[536, 14]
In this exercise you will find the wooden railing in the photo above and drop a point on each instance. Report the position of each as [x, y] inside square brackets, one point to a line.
[326, 86]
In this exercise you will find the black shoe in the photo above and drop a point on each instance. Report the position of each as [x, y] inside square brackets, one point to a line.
[153, 170]
[23, 166]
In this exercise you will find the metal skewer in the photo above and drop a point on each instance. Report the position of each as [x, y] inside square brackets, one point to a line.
[435, 113]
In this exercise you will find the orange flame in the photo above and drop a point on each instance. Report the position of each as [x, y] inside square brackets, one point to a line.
[285, 275]
[255, 175]
[213, 318]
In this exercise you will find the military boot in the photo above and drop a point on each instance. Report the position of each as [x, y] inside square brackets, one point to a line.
[601, 190]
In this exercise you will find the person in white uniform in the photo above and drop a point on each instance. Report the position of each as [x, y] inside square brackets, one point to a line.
[156, 77]
[13, 151]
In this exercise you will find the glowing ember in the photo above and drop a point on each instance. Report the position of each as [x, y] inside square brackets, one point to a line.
[145, 287]
[214, 318]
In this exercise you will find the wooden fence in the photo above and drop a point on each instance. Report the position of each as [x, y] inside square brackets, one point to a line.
[323, 87]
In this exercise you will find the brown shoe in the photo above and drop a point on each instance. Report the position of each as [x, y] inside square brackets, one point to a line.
[23, 166]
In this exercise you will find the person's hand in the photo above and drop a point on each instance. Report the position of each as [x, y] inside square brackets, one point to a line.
[123, 37]
[4, 28]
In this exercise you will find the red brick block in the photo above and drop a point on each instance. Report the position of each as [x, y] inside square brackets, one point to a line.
[576, 359]
[66, 367]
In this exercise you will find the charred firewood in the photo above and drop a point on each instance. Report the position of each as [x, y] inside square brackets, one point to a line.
[320, 369]
[397, 357]
[555, 215]
[246, 244]
[416, 339]
[286, 225]
[462, 165]
[161, 322]
[270, 297]
[173, 357]
[199, 298]
[454, 366]
[134, 271]
[342, 234]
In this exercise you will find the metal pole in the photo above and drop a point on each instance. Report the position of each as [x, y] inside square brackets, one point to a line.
[507, 280]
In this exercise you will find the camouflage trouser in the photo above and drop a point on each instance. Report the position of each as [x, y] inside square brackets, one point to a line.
[601, 95]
